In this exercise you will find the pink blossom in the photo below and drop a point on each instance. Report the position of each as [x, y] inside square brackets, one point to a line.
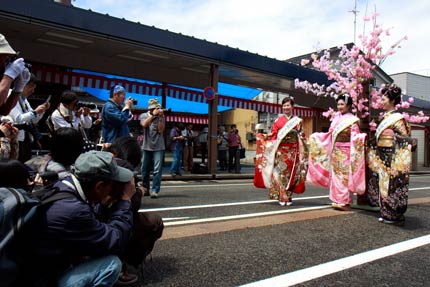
[411, 100]
[405, 105]
[372, 126]
[304, 62]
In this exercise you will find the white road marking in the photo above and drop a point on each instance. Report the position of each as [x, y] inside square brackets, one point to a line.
[175, 218]
[241, 216]
[419, 188]
[225, 204]
[303, 275]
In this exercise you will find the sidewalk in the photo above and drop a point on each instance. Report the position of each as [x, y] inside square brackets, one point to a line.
[246, 172]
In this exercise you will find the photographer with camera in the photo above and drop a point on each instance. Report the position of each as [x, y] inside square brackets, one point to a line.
[153, 146]
[70, 114]
[115, 117]
[14, 72]
[70, 237]
[26, 118]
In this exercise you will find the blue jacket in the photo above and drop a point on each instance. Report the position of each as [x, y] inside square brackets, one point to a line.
[69, 230]
[114, 122]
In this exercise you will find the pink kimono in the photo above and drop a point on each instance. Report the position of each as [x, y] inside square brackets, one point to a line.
[337, 159]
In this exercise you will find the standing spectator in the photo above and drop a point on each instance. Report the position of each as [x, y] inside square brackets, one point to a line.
[24, 115]
[222, 143]
[176, 146]
[70, 239]
[203, 140]
[153, 124]
[69, 115]
[10, 72]
[234, 142]
[115, 117]
[188, 156]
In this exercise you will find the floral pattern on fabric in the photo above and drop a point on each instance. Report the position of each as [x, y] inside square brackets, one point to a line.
[389, 167]
[317, 154]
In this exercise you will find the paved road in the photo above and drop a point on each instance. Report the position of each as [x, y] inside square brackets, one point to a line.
[226, 233]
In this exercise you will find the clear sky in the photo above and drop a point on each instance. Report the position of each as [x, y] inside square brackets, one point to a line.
[283, 29]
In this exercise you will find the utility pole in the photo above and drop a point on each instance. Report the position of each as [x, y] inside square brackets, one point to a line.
[355, 12]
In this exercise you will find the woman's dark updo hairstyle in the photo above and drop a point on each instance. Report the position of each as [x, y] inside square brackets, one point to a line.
[288, 99]
[393, 92]
[346, 98]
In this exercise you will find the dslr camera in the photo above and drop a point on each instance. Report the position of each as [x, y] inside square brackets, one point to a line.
[91, 106]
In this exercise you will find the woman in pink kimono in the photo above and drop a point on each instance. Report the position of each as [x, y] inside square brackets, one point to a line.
[282, 164]
[337, 158]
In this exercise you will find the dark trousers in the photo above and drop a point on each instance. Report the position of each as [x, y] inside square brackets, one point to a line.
[232, 158]
[25, 149]
[222, 158]
[204, 147]
[147, 229]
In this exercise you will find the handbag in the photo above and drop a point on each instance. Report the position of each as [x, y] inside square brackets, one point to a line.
[242, 152]
[88, 145]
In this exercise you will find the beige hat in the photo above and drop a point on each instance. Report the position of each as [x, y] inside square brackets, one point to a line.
[5, 48]
[153, 104]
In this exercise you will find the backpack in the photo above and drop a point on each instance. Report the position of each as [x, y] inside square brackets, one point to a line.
[17, 210]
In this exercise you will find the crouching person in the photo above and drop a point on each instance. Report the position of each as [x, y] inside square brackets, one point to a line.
[147, 227]
[69, 245]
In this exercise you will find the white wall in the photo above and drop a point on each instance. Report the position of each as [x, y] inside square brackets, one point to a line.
[419, 135]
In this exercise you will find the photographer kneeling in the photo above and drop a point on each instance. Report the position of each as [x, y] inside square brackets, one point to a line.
[69, 243]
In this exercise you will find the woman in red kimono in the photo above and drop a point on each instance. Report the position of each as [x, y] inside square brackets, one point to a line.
[283, 164]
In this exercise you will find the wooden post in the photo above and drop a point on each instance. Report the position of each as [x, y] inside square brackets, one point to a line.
[213, 121]
[362, 200]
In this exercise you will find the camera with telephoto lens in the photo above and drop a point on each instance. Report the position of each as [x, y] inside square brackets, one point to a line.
[93, 107]
[165, 110]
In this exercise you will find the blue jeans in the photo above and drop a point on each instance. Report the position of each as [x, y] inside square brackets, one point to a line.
[103, 271]
[176, 163]
[155, 159]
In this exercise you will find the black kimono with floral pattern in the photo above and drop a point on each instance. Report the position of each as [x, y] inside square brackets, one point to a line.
[389, 162]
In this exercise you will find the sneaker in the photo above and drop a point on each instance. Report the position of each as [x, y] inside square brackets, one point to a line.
[154, 194]
[289, 203]
[282, 203]
[126, 278]
[173, 174]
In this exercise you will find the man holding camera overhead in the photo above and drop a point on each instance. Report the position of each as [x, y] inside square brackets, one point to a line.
[115, 117]
[12, 71]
